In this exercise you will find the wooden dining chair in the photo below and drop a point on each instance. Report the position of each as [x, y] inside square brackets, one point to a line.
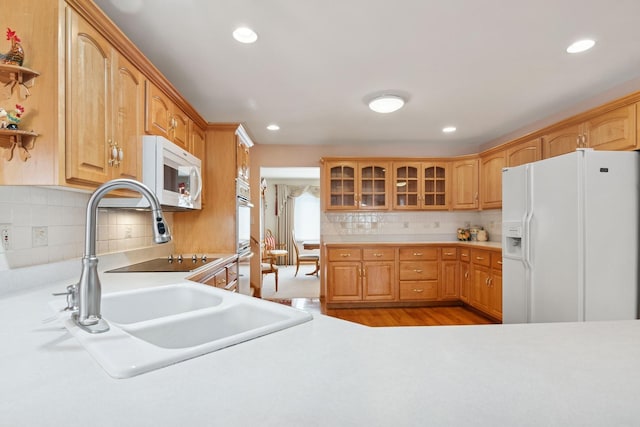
[268, 266]
[304, 258]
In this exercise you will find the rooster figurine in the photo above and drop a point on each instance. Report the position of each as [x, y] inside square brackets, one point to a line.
[15, 56]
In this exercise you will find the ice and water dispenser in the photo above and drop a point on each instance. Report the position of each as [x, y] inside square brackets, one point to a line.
[512, 232]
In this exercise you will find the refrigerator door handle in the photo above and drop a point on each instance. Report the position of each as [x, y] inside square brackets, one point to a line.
[526, 246]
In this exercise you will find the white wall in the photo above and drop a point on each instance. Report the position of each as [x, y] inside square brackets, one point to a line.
[61, 214]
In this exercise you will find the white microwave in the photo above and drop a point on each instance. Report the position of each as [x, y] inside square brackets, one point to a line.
[173, 174]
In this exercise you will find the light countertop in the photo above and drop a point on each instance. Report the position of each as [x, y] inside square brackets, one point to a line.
[327, 372]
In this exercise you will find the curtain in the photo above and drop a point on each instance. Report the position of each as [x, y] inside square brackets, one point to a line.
[285, 207]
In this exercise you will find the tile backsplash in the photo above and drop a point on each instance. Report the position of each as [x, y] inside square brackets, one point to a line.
[407, 226]
[43, 225]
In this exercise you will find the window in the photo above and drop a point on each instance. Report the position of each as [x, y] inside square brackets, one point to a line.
[307, 217]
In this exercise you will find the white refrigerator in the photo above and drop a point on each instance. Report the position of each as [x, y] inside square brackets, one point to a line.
[570, 238]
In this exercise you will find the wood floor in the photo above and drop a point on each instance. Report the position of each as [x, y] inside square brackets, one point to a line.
[412, 316]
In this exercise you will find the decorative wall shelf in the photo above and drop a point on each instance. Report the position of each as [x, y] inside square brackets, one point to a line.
[12, 75]
[24, 140]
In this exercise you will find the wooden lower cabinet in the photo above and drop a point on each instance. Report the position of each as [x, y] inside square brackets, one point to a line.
[361, 274]
[418, 273]
[224, 277]
[465, 281]
[398, 275]
[486, 282]
[449, 286]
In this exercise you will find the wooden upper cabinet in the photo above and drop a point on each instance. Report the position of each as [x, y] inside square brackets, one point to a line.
[373, 185]
[420, 185]
[106, 91]
[157, 112]
[524, 152]
[465, 184]
[128, 110]
[164, 118]
[88, 102]
[491, 179]
[357, 185]
[614, 130]
[179, 130]
[561, 141]
[341, 185]
[242, 160]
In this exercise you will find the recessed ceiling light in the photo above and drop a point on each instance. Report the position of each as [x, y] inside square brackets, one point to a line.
[245, 35]
[273, 127]
[449, 129]
[386, 104]
[581, 46]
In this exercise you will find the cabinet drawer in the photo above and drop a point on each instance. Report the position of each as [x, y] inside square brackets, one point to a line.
[421, 270]
[379, 254]
[418, 290]
[481, 257]
[496, 261]
[418, 253]
[449, 253]
[232, 272]
[464, 255]
[345, 254]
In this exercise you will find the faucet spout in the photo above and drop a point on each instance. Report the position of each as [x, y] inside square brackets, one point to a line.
[89, 289]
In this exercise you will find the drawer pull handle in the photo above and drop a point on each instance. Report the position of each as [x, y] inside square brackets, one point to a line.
[448, 253]
[479, 258]
[377, 255]
[499, 262]
[418, 271]
[417, 254]
[418, 290]
[345, 255]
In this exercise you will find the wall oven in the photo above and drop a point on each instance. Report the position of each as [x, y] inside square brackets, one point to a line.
[244, 206]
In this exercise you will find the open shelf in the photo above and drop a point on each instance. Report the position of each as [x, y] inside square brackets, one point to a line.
[10, 139]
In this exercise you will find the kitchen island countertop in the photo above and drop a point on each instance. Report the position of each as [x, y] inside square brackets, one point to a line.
[327, 372]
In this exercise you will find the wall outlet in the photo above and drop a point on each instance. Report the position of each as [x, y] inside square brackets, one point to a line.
[39, 236]
[5, 237]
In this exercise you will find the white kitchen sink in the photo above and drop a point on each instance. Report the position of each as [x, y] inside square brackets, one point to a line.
[145, 304]
[155, 327]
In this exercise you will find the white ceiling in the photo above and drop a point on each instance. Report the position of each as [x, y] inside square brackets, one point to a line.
[488, 67]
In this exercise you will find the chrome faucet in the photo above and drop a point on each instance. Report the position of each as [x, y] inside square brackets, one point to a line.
[89, 291]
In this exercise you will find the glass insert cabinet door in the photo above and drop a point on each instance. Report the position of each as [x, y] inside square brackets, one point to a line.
[420, 186]
[373, 187]
[434, 186]
[357, 185]
[342, 186]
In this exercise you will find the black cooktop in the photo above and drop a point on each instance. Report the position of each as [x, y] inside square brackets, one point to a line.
[172, 264]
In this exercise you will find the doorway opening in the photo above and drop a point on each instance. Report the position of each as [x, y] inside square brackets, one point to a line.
[290, 218]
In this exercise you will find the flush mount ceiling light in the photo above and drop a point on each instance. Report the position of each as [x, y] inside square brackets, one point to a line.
[581, 46]
[449, 129]
[273, 127]
[386, 104]
[245, 35]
